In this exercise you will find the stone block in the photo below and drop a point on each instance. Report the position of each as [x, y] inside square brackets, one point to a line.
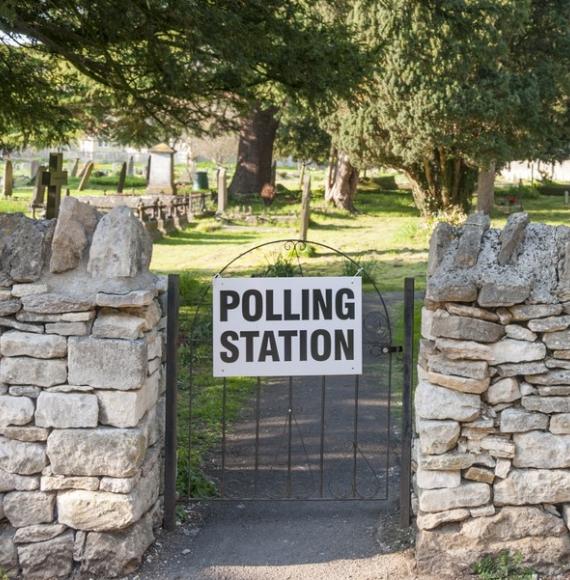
[118, 324]
[467, 495]
[15, 343]
[107, 363]
[96, 452]
[462, 368]
[114, 554]
[429, 479]
[53, 303]
[521, 421]
[121, 247]
[133, 299]
[511, 237]
[127, 408]
[29, 433]
[76, 223]
[503, 391]
[463, 328]
[461, 384]
[547, 404]
[451, 288]
[484, 511]
[551, 324]
[447, 461]
[433, 402]
[15, 410]
[554, 363]
[560, 424]
[441, 239]
[11, 323]
[502, 468]
[118, 484]
[9, 307]
[14, 482]
[68, 328]
[22, 458]
[430, 521]
[8, 553]
[470, 241]
[60, 482]
[19, 290]
[438, 436]
[103, 511]
[25, 391]
[557, 340]
[554, 391]
[479, 474]
[542, 450]
[525, 368]
[29, 508]
[38, 533]
[67, 410]
[533, 486]
[504, 351]
[472, 312]
[552, 377]
[524, 312]
[84, 316]
[498, 446]
[506, 293]
[29, 371]
[48, 560]
[517, 332]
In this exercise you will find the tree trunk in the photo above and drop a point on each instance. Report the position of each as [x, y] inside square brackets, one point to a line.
[486, 188]
[255, 152]
[442, 183]
[330, 175]
[343, 190]
[302, 174]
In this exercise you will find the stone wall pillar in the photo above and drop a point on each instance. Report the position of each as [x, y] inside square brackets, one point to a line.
[81, 394]
[492, 453]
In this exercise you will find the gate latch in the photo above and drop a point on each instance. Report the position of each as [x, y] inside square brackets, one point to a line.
[391, 349]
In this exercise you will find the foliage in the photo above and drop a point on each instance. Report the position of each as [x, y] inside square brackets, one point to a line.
[358, 267]
[279, 267]
[503, 566]
[457, 85]
[165, 67]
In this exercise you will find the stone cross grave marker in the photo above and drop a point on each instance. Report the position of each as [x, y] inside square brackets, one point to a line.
[54, 178]
[122, 178]
[161, 173]
[75, 167]
[131, 166]
[86, 176]
[222, 190]
[305, 209]
[8, 183]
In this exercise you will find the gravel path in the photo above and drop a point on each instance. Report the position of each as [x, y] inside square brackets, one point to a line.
[297, 540]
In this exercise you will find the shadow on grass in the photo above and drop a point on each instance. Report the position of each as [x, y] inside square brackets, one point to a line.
[194, 237]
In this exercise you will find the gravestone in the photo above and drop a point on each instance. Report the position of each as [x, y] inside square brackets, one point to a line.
[8, 183]
[86, 176]
[75, 167]
[161, 173]
[122, 177]
[81, 172]
[131, 166]
[305, 209]
[39, 188]
[54, 178]
[222, 190]
[147, 170]
[34, 166]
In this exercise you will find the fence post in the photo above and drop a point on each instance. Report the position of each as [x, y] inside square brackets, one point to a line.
[170, 422]
[406, 461]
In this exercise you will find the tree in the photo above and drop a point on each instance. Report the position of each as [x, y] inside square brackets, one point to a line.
[181, 65]
[457, 86]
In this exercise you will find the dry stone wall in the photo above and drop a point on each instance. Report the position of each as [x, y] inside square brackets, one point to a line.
[81, 394]
[492, 404]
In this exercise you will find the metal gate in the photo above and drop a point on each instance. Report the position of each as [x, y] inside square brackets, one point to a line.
[333, 438]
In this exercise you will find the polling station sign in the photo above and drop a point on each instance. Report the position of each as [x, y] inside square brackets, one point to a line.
[287, 326]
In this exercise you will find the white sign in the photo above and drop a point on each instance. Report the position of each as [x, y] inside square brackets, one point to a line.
[287, 326]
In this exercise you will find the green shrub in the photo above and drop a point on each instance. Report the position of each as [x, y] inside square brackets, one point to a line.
[521, 192]
[358, 267]
[280, 268]
[551, 188]
[305, 250]
[503, 566]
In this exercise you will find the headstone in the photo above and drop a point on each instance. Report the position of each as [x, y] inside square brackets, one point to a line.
[39, 190]
[274, 173]
[161, 174]
[305, 209]
[86, 176]
[147, 170]
[34, 166]
[131, 166]
[222, 190]
[8, 183]
[75, 167]
[54, 178]
[81, 172]
[122, 177]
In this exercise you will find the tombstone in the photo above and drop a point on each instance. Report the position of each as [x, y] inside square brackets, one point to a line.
[274, 173]
[75, 167]
[54, 178]
[305, 209]
[86, 176]
[39, 190]
[8, 183]
[81, 172]
[131, 166]
[147, 170]
[222, 190]
[34, 166]
[161, 173]
[122, 177]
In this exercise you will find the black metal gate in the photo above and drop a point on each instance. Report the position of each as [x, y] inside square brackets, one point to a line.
[340, 438]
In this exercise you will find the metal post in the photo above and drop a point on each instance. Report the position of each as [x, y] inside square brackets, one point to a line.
[406, 465]
[170, 427]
